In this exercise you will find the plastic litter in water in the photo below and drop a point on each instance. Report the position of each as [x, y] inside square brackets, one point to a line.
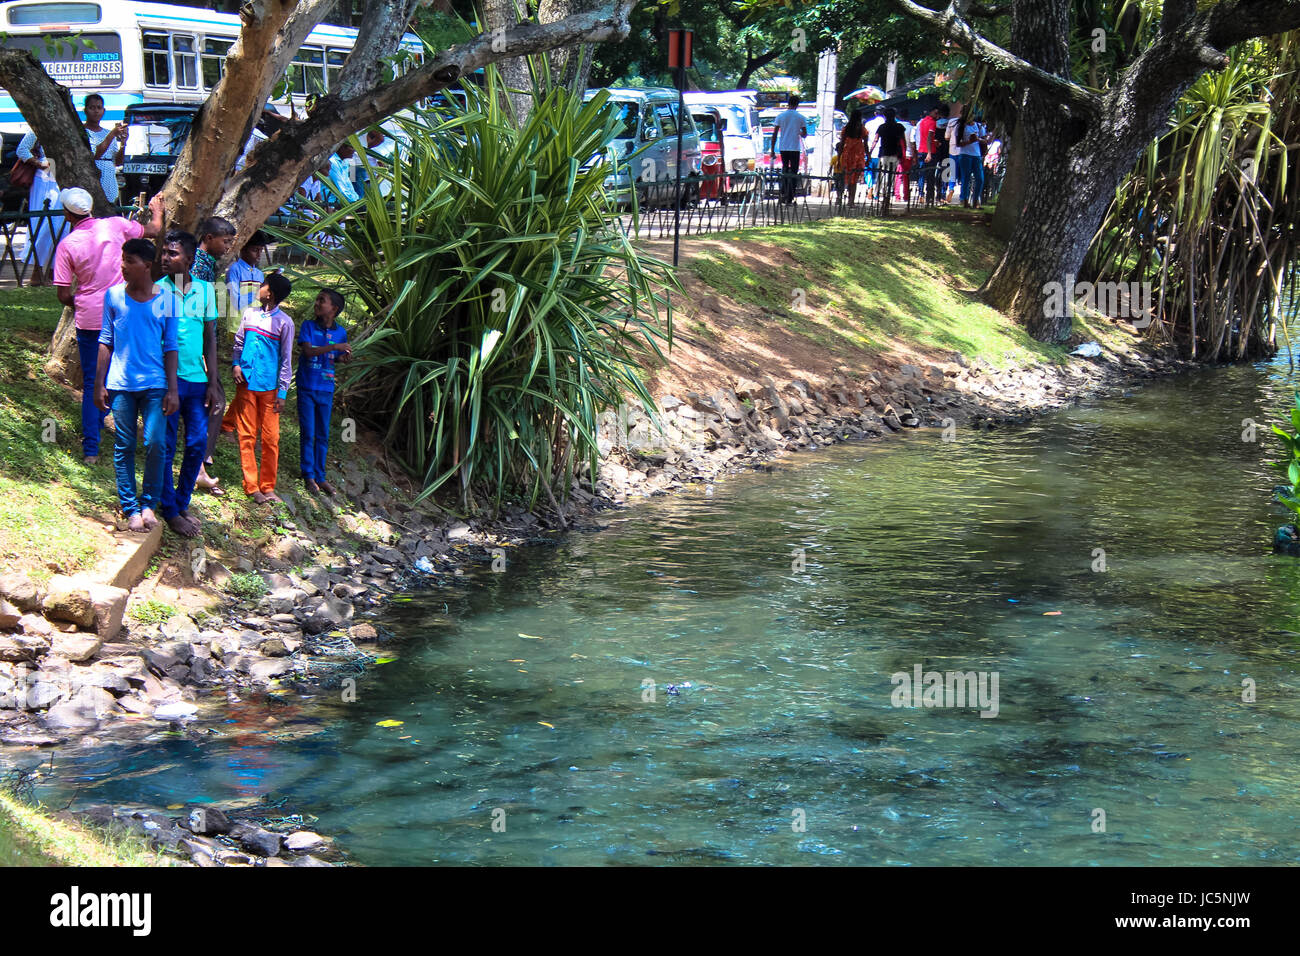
[422, 563]
[1051, 614]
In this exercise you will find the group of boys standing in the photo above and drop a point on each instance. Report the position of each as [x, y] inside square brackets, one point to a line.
[147, 336]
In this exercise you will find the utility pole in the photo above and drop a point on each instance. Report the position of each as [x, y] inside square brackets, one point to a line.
[679, 57]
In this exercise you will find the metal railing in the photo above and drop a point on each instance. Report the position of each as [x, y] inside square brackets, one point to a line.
[20, 230]
[723, 203]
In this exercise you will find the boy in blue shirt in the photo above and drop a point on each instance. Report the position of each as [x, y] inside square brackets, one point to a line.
[320, 341]
[194, 302]
[137, 374]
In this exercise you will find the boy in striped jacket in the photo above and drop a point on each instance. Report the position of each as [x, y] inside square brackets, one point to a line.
[263, 365]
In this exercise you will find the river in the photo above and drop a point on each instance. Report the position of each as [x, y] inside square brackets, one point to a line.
[710, 678]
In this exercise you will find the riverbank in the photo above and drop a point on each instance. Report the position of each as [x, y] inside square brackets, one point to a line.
[280, 603]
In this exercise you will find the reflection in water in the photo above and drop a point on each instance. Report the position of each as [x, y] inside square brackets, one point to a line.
[678, 687]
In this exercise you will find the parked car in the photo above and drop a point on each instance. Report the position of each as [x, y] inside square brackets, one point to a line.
[744, 137]
[644, 152]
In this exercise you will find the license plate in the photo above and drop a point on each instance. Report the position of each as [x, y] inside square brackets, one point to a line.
[145, 169]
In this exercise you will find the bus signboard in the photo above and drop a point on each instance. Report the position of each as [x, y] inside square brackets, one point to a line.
[71, 62]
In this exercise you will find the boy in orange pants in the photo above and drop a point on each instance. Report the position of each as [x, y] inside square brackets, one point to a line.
[263, 365]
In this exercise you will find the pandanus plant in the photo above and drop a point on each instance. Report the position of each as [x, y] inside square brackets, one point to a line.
[512, 309]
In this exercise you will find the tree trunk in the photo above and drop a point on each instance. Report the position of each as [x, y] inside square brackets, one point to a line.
[1078, 145]
[501, 15]
[1011, 198]
[271, 34]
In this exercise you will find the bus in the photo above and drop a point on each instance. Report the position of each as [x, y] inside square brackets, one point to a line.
[132, 53]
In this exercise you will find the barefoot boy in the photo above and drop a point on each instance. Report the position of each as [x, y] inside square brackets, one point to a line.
[137, 367]
[194, 302]
[263, 366]
[321, 340]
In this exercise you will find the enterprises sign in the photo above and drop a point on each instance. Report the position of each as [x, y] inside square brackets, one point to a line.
[71, 62]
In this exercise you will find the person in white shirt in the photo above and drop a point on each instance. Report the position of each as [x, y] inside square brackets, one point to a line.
[788, 132]
[964, 144]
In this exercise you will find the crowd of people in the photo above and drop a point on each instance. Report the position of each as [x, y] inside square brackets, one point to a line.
[945, 154]
[147, 320]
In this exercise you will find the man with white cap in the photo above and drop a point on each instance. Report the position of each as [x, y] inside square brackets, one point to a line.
[91, 253]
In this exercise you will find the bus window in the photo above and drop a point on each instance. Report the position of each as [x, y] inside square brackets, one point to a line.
[214, 60]
[307, 74]
[335, 60]
[156, 69]
[186, 63]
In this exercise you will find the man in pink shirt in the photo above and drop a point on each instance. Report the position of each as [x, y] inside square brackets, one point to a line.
[91, 253]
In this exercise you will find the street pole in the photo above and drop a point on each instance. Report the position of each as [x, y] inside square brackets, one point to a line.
[681, 121]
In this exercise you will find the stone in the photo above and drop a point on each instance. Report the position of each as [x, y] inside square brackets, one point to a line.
[36, 625]
[280, 600]
[303, 841]
[288, 550]
[458, 532]
[160, 659]
[180, 628]
[88, 604]
[207, 821]
[331, 613]
[10, 615]
[76, 647]
[268, 670]
[20, 591]
[669, 402]
[102, 675]
[363, 632]
[273, 647]
[262, 842]
[19, 648]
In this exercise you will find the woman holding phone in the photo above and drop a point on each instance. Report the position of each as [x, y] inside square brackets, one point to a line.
[108, 145]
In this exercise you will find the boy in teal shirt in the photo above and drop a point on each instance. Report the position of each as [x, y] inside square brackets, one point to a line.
[320, 341]
[194, 302]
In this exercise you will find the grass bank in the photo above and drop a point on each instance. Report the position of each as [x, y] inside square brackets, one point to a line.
[30, 836]
[845, 294]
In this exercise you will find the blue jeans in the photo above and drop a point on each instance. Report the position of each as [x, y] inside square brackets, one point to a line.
[176, 497]
[92, 419]
[128, 407]
[314, 409]
[971, 170]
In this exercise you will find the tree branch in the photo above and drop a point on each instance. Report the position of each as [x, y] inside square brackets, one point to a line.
[300, 147]
[48, 109]
[950, 25]
[1233, 21]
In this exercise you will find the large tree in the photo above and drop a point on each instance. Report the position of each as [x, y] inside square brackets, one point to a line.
[204, 182]
[1080, 141]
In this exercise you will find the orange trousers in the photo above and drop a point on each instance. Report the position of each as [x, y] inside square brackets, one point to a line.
[255, 414]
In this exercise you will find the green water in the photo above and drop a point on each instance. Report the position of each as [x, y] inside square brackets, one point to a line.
[1129, 701]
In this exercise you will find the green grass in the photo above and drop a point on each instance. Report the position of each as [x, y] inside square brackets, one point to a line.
[43, 482]
[28, 837]
[871, 284]
[246, 585]
[152, 612]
